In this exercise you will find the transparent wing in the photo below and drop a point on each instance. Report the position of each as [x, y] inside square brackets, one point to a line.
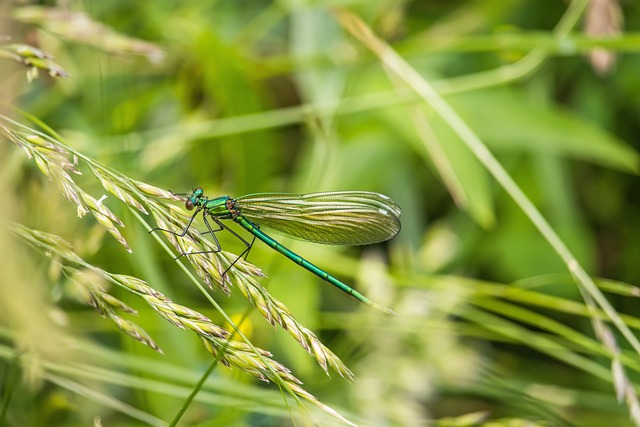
[332, 218]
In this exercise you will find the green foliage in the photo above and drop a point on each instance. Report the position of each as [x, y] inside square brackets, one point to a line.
[505, 130]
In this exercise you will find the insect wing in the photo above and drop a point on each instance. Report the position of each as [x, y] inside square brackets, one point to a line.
[334, 218]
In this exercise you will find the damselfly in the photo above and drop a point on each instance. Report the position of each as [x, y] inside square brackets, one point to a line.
[333, 218]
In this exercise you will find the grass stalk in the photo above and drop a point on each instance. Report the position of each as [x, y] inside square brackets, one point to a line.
[403, 70]
[58, 162]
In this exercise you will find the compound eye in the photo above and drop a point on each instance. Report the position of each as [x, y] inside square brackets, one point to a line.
[189, 205]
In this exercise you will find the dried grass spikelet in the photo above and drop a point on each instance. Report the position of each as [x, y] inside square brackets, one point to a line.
[604, 18]
[215, 265]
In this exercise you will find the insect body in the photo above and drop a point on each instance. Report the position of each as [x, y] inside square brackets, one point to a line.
[334, 218]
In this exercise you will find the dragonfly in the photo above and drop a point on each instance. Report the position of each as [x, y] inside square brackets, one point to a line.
[332, 218]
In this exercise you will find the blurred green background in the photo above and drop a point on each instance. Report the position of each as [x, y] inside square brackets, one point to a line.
[241, 97]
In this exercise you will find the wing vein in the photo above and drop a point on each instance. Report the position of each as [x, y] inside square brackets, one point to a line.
[336, 218]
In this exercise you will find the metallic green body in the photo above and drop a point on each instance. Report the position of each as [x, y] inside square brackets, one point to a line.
[345, 218]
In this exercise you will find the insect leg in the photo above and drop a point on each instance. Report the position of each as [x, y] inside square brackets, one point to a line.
[181, 234]
[244, 253]
[213, 234]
